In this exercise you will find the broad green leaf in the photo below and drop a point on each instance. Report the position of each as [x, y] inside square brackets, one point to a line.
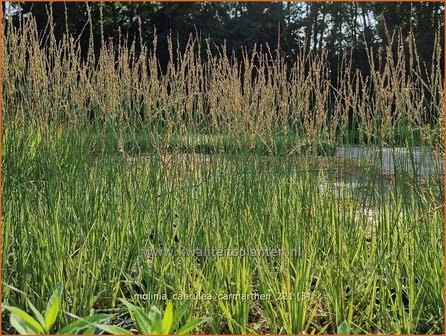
[114, 330]
[142, 321]
[52, 308]
[26, 318]
[76, 326]
[343, 329]
[167, 318]
[21, 326]
[90, 330]
[156, 320]
[192, 324]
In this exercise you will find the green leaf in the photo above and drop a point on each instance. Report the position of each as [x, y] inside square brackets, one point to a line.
[52, 308]
[114, 330]
[28, 319]
[23, 327]
[192, 324]
[155, 320]
[37, 314]
[344, 329]
[90, 330]
[167, 318]
[142, 321]
[179, 313]
[76, 326]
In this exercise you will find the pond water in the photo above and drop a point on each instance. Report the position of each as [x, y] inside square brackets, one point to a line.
[417, 160]
[373, 171]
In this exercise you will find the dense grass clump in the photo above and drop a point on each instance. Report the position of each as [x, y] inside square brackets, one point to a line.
[122, 182]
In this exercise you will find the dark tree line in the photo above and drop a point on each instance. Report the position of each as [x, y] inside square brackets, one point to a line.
[336, 27]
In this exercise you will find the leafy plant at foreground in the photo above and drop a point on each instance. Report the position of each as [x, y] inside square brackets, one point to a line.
[151, 323]
[25, 324]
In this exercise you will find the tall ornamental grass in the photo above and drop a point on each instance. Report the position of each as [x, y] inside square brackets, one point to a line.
[113, 168]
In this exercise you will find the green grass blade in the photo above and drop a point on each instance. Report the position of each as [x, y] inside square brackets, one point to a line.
[114, 330]
[191, 325]
[179, 313]
[168, 318]
[36, 312]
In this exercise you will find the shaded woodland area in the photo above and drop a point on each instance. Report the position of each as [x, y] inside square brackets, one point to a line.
[336, 27]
